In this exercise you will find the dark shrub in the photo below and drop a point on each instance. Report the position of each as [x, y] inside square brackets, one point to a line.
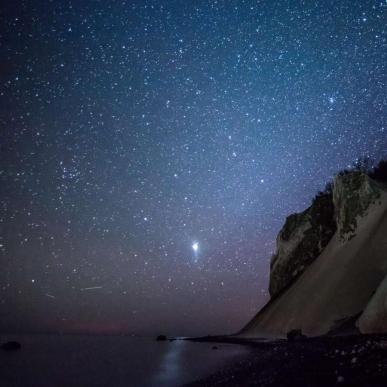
[363, 164]
[380, 172]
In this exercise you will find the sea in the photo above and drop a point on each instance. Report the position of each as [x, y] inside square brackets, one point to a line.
[117, 361]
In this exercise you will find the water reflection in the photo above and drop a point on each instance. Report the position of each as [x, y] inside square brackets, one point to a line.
[170, 369]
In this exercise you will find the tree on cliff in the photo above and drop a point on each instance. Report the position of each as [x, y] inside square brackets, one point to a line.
[368, 166]
[362, 164]
[380, 171]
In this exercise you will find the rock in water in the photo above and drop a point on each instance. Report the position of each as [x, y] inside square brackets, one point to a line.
[161, 338]
[11, 346]
[339, 245]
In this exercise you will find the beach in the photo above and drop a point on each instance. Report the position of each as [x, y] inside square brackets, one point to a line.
[359, 360]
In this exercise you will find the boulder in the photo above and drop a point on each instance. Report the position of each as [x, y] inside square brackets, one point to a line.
[295, 335]
[161, 338]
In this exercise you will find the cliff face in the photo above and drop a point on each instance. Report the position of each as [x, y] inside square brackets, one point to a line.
[352, 195]
[305, 235]
[300, 241]
[329, 264]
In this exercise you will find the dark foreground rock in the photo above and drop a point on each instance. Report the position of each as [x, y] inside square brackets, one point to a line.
[161, 338]
[325, 361]
[295, 334]
[11, 346]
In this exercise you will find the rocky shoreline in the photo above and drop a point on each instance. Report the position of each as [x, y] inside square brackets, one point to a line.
[358, 360]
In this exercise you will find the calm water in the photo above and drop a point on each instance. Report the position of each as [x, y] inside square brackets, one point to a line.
[50, 360]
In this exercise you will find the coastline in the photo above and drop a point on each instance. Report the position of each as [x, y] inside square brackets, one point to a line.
[356, 360]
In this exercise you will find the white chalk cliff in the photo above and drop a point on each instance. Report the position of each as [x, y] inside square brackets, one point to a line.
[330, 266]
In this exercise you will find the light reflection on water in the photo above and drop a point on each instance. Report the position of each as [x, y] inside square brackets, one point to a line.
[118, 361]
[170, 368]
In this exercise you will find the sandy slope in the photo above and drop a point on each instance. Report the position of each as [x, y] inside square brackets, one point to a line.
[337, 285]
[374, 318]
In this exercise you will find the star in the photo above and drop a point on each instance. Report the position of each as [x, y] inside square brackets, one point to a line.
[195, 247]
[196, 144]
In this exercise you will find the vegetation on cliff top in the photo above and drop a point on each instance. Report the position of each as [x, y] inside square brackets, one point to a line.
[376, 171]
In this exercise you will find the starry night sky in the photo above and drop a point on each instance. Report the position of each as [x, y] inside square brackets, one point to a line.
[151, 150]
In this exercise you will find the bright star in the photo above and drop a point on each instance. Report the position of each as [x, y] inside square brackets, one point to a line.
[195, 247]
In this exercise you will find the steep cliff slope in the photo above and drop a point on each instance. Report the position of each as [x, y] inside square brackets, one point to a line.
[300, 241]
[340, 281]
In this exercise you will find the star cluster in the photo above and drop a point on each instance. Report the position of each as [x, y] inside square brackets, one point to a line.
[151, 150]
